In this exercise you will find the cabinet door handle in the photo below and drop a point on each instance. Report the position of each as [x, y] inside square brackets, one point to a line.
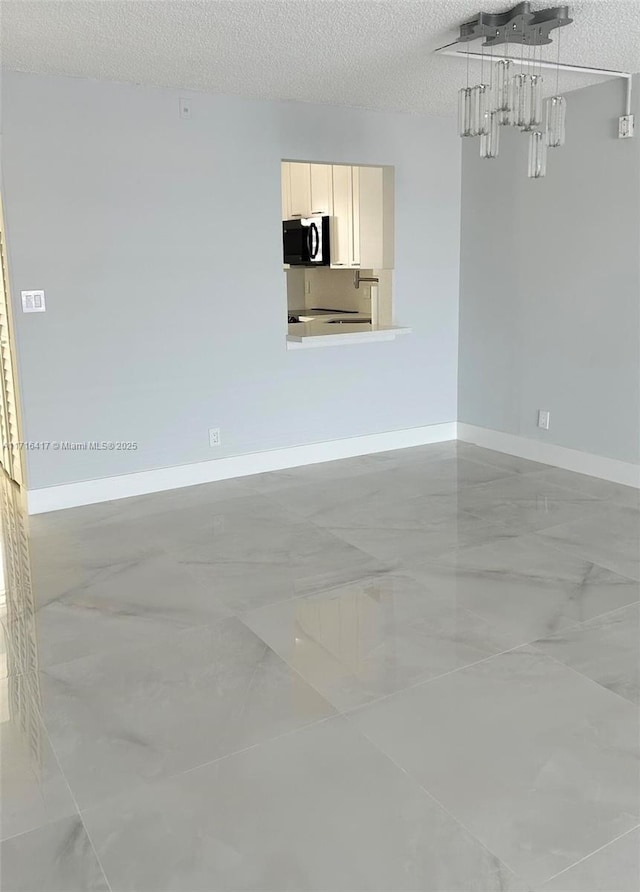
[338, 264]
[318, 212]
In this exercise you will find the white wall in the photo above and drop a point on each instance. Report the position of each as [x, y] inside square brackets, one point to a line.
[550, 284]
[158, 243]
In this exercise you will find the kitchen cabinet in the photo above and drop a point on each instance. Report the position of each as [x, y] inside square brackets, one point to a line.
[285, 185]
[375, 221]
[345, 249]
[306, 189]
[356, 233]
[360, 202]
[300, 189]
[321, 189]
[363, 205]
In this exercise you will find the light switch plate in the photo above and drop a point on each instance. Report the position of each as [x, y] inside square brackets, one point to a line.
[33, 301]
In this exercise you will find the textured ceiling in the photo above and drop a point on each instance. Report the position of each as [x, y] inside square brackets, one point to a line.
[375, 54]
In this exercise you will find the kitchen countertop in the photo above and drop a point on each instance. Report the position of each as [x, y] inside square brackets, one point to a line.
[322, 311]
[321, 334]
[323, 316]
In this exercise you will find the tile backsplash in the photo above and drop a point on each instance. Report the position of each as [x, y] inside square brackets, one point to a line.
[295, 288]
[335, 290]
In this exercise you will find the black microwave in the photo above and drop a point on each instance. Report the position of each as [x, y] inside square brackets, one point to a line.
[306, 241]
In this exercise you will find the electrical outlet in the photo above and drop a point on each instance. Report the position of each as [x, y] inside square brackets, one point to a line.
[214, 436]
[625, 126]
[185, 108]
[543, 419]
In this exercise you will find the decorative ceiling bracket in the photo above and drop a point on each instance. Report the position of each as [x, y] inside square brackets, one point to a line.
[519, 25]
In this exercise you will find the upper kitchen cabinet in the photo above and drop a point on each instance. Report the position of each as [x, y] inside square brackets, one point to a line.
[363, 217]
[375, 217]
[345, 241]
[300, 189]
[321, 189]
[285, 185]
[359, 201]
[306, 190]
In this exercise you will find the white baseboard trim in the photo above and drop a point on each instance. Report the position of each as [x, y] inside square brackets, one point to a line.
[105, 489]
[550, 454]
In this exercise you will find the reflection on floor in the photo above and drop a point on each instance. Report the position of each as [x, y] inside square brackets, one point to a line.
[410, 671]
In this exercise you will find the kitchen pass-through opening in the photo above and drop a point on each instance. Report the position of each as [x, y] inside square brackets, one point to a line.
[337, 247]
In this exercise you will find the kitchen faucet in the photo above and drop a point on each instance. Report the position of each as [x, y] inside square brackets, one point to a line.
[357, 278]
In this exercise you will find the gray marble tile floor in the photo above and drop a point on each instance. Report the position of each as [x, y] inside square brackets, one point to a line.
[410, 672]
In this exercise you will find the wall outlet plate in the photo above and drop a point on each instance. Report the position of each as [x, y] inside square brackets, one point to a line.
[626, 126]
[33, 301]
[543, 419]
[214, 437]
[185, 108]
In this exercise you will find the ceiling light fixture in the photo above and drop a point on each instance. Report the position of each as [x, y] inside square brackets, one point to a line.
[516, 99]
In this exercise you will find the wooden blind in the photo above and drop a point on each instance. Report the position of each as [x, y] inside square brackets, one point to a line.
[9, 421]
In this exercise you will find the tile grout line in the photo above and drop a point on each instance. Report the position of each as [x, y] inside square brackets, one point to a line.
[172, 775]
[437, 561]
[338, 713]
[575, 625]
[347, 710]
[608, 499]
[557, 546]
[530, 475]
[457, 820]
[591, 854]
[346, 714]
[75, 803]
[595, 619]
[178, 774]
[425, 790]
[425, 681]
[582, 675]
[373, 575]
[524, 644]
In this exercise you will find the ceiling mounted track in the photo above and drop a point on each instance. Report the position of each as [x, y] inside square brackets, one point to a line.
[518, 25]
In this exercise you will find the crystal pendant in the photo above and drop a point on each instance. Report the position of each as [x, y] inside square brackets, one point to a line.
[480, 107]
[490, 141]
[537, 154]
[506, 117]
[555, 113]
[535, 104]
[521, 100]
[502, 85]
[465, 111]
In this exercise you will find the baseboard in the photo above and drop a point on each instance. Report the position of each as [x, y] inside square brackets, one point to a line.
[550, 454]
[105, 489]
